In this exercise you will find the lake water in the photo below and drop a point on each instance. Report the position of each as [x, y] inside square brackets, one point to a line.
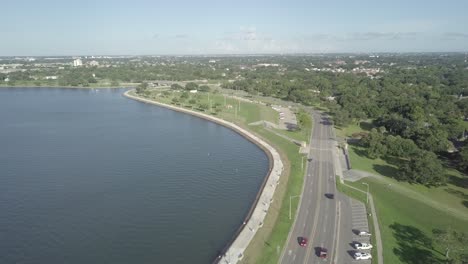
[89, 176]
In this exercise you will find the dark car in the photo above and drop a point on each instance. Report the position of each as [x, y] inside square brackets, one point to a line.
[303, 242]
[330, 195]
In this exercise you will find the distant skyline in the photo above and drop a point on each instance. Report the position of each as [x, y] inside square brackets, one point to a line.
[144, 27]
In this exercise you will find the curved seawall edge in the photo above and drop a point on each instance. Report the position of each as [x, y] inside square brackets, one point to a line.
[234, 250]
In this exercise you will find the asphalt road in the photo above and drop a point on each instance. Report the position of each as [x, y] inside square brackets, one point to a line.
[318, 215]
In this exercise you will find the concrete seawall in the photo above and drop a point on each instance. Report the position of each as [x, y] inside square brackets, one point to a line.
[234, 250]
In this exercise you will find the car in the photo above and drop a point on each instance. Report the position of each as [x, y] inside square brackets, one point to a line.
[358, 245]
[364, 233]
[330, 195]
[323, 253]
[361, 256]
[303, 241]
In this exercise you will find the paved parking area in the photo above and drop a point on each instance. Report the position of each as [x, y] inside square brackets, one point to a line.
[287, 118]
[359, 223]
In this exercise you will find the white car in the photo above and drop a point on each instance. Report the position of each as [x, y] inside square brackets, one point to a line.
[362, 246]
[362, 256]
[364, 233]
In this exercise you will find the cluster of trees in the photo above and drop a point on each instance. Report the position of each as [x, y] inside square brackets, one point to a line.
[415, 165]
[191, 86]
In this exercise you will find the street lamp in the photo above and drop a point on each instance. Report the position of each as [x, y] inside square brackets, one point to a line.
[367, 194]
[290, 199]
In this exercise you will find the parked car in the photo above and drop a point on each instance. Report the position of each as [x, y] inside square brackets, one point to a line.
[303, 241]
[362, 245]
[362, 256]
[364, 233]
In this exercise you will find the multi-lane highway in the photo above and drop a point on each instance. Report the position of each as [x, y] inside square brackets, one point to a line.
[327, 222]
[318, 214]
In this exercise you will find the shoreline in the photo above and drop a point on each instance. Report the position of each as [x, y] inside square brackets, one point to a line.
[234, 250]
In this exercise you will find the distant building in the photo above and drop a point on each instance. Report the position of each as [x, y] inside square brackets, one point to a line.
[77, 63]
[193, 91]
[53, 77]
[93, 63]
[212, 61]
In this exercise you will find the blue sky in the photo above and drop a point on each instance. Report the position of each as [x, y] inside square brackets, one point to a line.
[139, 27]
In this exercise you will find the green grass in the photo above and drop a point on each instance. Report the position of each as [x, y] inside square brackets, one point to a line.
[449, 197]
[405, 222]
[407, 212]
[249, 112]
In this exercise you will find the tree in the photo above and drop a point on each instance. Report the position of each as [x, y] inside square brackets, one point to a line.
[375, 144]
[204, 88]
[185, 95]
[141, 88]
[463, 158]
[203, 106]
[191, 86]
[400, 147]
[175, 100]
[424, 168]
[192, 101]
[176, 86]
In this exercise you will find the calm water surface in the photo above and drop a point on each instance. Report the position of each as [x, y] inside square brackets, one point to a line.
[88, 176]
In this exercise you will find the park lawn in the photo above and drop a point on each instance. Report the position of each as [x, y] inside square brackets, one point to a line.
[411, 209]
[249, 112]
[406, 224]
[452, 197]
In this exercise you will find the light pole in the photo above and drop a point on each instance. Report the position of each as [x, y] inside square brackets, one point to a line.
[367, 194]
[290, 199]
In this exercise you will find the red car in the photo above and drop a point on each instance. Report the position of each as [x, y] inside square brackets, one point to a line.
[303, 242]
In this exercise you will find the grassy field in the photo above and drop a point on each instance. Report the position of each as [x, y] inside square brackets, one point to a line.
[248, 113]
[408, 212]
[267, 245]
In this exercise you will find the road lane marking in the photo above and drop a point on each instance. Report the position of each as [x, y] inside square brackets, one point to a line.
[317, 205]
